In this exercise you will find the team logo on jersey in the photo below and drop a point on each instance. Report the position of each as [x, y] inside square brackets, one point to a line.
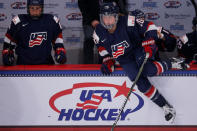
[118, 49]
[37, 38]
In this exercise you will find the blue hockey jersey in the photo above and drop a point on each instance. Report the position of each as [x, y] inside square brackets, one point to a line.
[130, 34]
[33, 40]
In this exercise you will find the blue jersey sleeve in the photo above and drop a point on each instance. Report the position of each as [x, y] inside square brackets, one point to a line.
[148, 31]
[57, 33]
[99, 40]
[11, 37]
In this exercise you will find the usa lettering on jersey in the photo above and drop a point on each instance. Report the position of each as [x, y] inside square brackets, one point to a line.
[37, 38]
[119, 49]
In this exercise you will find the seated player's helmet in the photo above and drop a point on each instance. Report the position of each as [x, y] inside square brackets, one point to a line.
[35, 2]
[109, 9]
[138, 14]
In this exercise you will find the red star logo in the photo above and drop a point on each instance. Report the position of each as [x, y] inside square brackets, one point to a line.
[122, 90]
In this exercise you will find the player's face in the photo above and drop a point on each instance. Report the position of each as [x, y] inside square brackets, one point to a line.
[109, 20]
[35, 10]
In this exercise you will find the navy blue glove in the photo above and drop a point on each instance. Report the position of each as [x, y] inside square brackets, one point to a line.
[8, 57]
[107, 66]
[60, 55]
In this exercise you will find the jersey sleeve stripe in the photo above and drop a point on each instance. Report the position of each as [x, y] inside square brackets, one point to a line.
[102, 51]
[9, 39]
[159, 67]
[59, 39]
[151, 92]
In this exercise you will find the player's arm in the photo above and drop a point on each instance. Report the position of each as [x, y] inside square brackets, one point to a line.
[187, 47]
[10, 41]
[149, 32]
[167, 40]
[183, 40]
[60, 51]
[108, 63]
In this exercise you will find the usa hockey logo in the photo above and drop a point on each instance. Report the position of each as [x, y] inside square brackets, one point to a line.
[172, 4]
[152, 16]
[74, 16]
[94, 101]
[37, 38]
[18, 5]
[118, 49]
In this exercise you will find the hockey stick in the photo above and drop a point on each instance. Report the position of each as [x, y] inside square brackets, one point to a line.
[130, 91]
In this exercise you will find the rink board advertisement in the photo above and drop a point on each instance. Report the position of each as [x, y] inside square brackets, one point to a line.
[92, 101]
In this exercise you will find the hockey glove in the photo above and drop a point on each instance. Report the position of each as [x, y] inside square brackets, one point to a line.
[60, 55]
[8, 57]
[150, 47]
[147, 46]
[107, 66]
[148, 50]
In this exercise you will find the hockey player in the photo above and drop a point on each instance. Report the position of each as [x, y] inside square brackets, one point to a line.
[166, 41]
[120, 38]
[187, 44]
[33, 36]
[90, 12]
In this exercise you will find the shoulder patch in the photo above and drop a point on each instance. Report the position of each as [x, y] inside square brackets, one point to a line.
[95, 37]
[56, 19]
[16, 20]
[184, 39]
[131, 20]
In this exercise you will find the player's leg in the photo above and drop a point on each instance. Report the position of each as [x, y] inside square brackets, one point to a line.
[149, 90]
[153, 67]
[153, 94]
